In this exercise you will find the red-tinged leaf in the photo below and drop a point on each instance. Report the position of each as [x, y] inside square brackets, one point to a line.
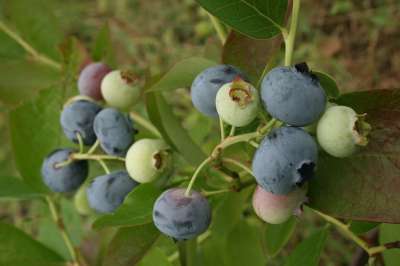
[365, 186]
[253, 57]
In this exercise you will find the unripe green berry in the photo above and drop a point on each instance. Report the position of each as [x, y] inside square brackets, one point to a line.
[120, 89]
[341, 131]
[277, 209]
[81, 202]
[237, 103]
[148, 159]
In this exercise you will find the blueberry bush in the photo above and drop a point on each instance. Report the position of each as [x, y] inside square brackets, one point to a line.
[235, 155]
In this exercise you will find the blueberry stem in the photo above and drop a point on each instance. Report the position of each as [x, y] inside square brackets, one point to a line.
[290, 37]
[60, 225]
[195, 174]
[94, 147]
[238, 164]
[232, 132]
[78, 156]
[104, 165]
[27, 47]
[215, 192]
[80, 142]
[345, 230]
[219, 28]
[144, 123]
[221, 128]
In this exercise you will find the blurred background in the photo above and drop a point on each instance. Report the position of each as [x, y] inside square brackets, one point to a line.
[357, 42]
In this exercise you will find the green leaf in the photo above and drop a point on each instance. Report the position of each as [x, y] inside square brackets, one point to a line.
[35, 132]
[39, 27]
[19, 249]
[130, 245]
[260, 19]
[49, 235]
[162, 116]
[362, 227]
[229, 212]
[182, 74]
[155, 257]
[276, 236]
[102, 48]
[389, 233]
[9, 49]
[328, 84]
[73, 223]
[308, 252]
[243, 246]
[239, 48]
[21, 81]
[15, 188]
[364, 186]
[136, 209]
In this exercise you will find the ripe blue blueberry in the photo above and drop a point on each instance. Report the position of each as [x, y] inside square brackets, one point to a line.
[285, 159]
[77, 118]
[63, 178]
[181, 217]
[206, 85]
[107, 192]
[114, 130]
[90, 80]
[293, 95]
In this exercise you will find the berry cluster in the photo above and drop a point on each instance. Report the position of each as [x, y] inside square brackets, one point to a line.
[87, 123]
[291, 101]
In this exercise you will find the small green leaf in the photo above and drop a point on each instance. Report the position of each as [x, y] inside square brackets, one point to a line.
[389, 233]
[260, 19]
[182, 74]
[19, 249]
[308, 252]
[35, 132]
[102, 48]
[162, 116]
[15, 188]
[243, 246]
[136, 209]
[276, 236]
[239, 48]
[359, 227]
[155, 257]
[130, 245]
[49, 235]
[328, 84]
[21, 81]
[39, 27]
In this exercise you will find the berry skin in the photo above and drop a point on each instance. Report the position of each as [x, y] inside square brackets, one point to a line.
[237, 103]
[81, 202]
[285, 160]
[206, 85]
[293, 95]
[90, 80]
[114, 130]
[107, 192]
[341, 131]
[277, 209]
[63, 178]
[148, 159]
[120, 89]
[78, 117]
[181, 217]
